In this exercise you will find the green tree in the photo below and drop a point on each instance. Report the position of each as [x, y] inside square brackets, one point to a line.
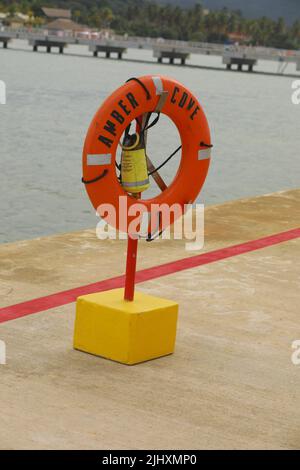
[106, 17]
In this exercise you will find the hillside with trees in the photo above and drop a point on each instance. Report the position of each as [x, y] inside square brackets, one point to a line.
[151, 19]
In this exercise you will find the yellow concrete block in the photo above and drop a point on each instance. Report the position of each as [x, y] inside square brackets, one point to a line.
[127, 332]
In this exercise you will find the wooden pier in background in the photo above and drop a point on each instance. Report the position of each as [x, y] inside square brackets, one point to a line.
[171, 50]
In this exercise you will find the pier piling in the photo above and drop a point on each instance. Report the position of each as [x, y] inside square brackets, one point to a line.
[164, 53]
[108, 50]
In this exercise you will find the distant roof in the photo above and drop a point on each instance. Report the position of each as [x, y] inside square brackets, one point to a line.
[22, 16]
[66, 25]
[17, 15]
[57, 13]
[239, 37]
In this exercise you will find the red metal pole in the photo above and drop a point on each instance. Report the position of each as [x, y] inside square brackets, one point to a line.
[132, 247]
[131, 268]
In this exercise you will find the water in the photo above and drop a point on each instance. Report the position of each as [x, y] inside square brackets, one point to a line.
[51, 100]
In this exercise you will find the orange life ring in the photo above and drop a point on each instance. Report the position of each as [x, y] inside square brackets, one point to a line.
[129, 102]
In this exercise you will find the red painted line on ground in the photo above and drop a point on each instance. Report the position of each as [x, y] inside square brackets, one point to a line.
[63, 298]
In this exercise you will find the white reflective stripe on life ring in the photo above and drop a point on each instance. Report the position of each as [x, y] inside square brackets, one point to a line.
[204, 154]
[158, 85]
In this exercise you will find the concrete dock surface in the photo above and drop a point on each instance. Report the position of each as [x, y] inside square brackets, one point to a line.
[231, 383]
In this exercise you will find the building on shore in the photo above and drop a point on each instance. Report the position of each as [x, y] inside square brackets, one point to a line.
[65, 26]
[16, 21]
[59, 22]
